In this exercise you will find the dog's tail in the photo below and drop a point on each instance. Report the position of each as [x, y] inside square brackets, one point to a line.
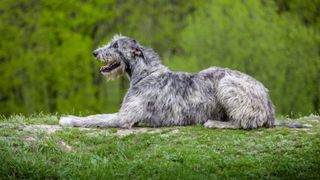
[291, 124]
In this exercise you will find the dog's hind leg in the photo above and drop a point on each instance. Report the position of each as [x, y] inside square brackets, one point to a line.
[246, 102]
[97, 121]
[220, 125]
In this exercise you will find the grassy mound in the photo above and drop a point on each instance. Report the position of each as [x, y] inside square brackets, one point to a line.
[36, 147]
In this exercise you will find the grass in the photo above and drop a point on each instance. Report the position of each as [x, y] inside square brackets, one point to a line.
[168, 153]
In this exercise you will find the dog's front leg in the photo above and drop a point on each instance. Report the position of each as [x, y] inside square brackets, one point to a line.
[98, 121]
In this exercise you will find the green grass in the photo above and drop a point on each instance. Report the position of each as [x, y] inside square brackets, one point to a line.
[172, 153]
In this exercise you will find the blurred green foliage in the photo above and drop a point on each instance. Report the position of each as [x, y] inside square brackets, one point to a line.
[46, 62]
[252, 37]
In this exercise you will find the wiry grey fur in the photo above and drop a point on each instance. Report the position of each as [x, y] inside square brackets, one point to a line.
[215, 97]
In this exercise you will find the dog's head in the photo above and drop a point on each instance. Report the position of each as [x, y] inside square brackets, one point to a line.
[118, 55]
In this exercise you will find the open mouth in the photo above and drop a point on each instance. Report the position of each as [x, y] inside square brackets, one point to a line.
[109, 67]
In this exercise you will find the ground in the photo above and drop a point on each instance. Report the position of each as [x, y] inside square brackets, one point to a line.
[36, 147]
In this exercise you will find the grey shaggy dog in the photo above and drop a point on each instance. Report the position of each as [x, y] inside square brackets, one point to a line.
[215, 97]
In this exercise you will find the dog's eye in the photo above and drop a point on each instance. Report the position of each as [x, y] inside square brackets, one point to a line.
[115, 45]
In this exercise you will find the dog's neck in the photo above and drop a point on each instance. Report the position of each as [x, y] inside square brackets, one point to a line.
[147, 63]
[139, 71]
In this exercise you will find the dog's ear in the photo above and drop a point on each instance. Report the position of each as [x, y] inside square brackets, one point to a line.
[137, 52]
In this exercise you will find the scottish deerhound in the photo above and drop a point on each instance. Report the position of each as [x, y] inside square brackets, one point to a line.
[215, 97]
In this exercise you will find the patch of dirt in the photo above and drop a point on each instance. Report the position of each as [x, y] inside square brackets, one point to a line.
[29, 139]
[311, 133]
[126, 132]
[155, 131]
[173, 132]
[64, 146]
[170, 133]
[48, 129]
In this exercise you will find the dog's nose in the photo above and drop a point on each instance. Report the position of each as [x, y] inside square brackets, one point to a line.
[95, 53]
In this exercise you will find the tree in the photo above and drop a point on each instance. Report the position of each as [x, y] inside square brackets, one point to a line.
[251, 37]
[45, 55]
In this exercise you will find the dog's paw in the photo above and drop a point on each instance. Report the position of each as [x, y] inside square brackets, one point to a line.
[209, 124]
[68, 121]
[219, 125]
[307, 126]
